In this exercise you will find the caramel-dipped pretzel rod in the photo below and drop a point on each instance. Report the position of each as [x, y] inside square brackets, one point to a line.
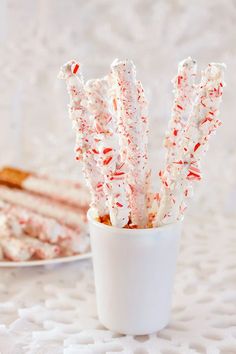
[179, 175]
[85, 142]
[64, 191]
[132, 130]
[107, 151]
[66, 215]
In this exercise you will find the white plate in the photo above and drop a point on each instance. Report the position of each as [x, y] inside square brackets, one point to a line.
[45, 261]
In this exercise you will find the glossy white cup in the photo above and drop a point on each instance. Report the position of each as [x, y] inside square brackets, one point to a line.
[134, 275]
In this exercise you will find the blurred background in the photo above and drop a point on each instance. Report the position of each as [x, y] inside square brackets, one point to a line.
[37, 37]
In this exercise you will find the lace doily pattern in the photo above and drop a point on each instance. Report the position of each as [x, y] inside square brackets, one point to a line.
[52, 309]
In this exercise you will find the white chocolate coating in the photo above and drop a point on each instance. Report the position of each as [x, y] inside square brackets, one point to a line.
[107, 153]
[181, 173]
[82, 123]
[64, 214]
[18, 222]
[111, 122]
[184, 91]
[132, 129]
[57, 190]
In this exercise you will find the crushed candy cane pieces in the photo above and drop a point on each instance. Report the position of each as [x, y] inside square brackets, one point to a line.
[111, 122]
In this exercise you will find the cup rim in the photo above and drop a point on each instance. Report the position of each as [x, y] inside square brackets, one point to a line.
[123, 230]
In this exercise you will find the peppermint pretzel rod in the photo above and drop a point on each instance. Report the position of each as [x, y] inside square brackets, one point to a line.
[50, 231]
[38, 226]
[111, 120]
[66, 215]
[24, 248]
[143, 105]
[179, 175]
[202, 124]
[17, 222]
[184, 91]
[184, 94]
[17, 246]
[63, 191]
[41, 250]
[71, 241]
[108, 157]
[133, 130]
[85, 142]
[125, 173]
[15, 249]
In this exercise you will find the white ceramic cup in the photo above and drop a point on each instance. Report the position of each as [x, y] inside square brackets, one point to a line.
[134, 275]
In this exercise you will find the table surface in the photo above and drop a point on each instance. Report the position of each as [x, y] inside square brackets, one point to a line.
[52, 309]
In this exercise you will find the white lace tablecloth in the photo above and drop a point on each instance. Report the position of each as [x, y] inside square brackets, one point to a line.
[52, 309]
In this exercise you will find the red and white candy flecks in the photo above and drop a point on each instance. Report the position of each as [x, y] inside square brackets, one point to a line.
[180, 172]
[65, 214]
[107, 151]
[110, 117]
[132, 126]
[25, 233]
[85, 143]
[184, 91]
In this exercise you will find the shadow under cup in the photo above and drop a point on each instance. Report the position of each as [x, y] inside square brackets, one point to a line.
[134, 275]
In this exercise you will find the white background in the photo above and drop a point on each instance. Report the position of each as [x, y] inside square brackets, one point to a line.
[37, 37]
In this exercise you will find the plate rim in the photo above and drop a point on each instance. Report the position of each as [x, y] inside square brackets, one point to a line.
[45, 262]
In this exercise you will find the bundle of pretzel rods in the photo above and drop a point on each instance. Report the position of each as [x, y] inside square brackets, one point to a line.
[110, 118]
[40, 217]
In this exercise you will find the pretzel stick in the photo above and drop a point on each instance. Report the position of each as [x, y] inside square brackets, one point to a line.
[64, 214]
[184, 90]
[108, 158]
[85, 143]
[202, 122]
[23, 248]
[133, 131]
[16, 246]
